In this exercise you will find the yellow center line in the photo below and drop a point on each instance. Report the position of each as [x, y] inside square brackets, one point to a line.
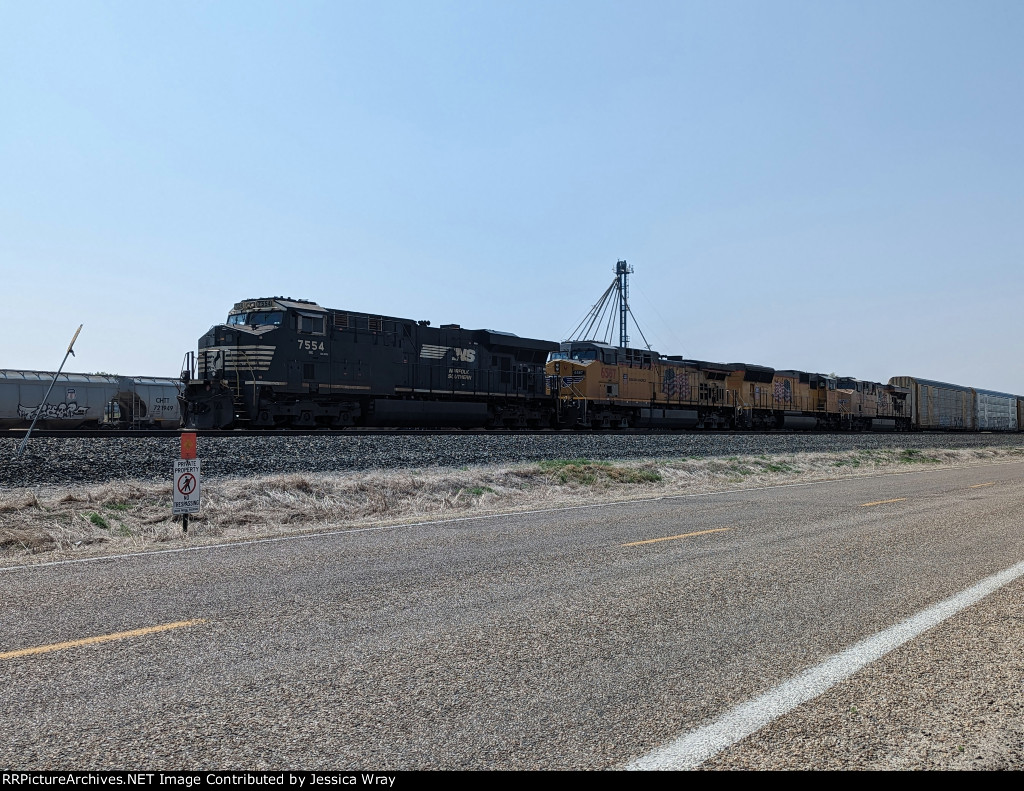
[882, 502]
[42, 649]
[979, 485]
[672, 538]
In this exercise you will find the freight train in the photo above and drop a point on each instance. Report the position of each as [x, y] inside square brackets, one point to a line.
[287, 363]
[87, 401]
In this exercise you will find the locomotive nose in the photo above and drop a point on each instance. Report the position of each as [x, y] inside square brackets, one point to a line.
[207, 402]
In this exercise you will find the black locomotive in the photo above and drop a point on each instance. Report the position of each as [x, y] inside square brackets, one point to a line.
[290, 363]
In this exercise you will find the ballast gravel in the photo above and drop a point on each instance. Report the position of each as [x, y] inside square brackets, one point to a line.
[58, 461]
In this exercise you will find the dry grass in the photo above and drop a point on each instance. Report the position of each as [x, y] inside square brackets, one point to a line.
[131, 516]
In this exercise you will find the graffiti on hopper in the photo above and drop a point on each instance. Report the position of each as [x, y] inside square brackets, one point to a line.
[59, 411]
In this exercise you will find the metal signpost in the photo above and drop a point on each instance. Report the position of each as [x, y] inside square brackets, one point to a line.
[185, 485]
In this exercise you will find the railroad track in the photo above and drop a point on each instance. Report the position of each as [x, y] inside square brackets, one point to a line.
[18, 433]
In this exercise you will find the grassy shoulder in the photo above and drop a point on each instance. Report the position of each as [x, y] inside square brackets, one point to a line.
[78, 521]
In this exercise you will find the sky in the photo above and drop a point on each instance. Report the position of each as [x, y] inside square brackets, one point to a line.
[835, 187]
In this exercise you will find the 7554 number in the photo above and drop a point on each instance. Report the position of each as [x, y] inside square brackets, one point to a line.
[312, 346]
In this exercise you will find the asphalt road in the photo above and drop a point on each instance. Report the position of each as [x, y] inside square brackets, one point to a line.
[584, 638]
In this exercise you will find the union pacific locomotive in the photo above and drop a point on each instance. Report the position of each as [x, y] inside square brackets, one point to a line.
[288, 363]
[606, 386]
[281, 362]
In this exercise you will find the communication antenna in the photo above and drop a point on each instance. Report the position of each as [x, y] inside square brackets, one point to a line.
[615, 299]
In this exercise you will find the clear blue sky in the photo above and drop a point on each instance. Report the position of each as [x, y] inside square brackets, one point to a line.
[829, 186]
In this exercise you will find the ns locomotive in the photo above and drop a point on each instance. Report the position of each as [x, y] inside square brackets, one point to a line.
[289, 363]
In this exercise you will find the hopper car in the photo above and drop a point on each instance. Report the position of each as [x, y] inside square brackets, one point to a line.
[87, 401]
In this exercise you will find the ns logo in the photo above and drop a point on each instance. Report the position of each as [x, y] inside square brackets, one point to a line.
[429, 352]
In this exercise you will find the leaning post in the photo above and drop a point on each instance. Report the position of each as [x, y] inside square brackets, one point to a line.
[39, 409]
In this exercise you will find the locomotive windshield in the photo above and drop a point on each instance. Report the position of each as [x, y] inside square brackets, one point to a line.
[576, 354]
[275, 317]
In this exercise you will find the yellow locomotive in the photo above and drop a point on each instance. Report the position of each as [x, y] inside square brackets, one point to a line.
[597, 385]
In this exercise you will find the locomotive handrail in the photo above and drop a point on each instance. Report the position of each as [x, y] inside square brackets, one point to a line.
[252, 373]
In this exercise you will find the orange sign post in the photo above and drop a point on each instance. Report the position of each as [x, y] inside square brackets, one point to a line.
[186, 480]
[188, 445]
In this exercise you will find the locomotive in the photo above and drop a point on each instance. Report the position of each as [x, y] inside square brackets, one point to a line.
[289, 363]
[604, 386]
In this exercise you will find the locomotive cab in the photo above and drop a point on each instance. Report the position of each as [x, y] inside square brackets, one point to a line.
[582, 376]
[584, 370]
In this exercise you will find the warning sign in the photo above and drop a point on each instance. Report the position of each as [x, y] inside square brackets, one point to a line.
[188, 445]
[186, 486]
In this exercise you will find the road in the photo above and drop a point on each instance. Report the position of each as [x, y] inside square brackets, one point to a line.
[583, 638]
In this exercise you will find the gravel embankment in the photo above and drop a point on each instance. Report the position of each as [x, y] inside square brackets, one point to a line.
[48, 461]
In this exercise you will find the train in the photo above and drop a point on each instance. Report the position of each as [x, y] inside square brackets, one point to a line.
[278, 362]
[87, 401]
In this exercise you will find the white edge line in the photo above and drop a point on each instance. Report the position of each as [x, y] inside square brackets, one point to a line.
[695, 747]
[376, 528]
